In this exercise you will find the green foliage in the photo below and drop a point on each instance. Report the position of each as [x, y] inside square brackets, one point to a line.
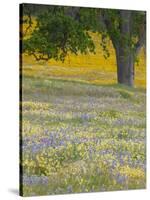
[104, 45]
[125, 94]
[61, 30]
[89, 19]
[57, 34]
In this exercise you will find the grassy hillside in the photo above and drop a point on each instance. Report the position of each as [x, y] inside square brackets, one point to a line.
[80, 137]
[82, 132]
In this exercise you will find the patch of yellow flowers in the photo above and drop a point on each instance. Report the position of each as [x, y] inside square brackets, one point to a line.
[134, 173]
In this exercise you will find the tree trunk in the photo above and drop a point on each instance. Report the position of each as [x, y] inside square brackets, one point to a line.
[124, 53]
[125, 67]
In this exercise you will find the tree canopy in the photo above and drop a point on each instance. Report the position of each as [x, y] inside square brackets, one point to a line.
[60, 30]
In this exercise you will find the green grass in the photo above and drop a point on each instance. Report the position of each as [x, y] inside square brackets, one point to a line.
[81, 137]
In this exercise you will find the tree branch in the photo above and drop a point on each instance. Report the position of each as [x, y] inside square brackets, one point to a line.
[40, 57]
[30, 24]
[108, 25]
[140, 43]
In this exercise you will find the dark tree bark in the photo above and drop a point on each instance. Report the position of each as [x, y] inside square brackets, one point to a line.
[125, 66]
[124, 53]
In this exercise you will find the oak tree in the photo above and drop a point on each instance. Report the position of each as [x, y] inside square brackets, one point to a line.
[61, 29]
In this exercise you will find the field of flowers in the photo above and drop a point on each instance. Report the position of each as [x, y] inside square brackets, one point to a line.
[81, 137]
[81, 132]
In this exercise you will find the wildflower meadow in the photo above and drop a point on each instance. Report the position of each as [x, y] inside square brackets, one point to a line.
[81, 130]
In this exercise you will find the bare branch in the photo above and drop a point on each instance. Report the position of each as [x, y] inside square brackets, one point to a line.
[30, 24]
[40, 57]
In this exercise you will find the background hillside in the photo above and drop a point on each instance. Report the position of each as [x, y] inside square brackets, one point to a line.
[91, 68]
